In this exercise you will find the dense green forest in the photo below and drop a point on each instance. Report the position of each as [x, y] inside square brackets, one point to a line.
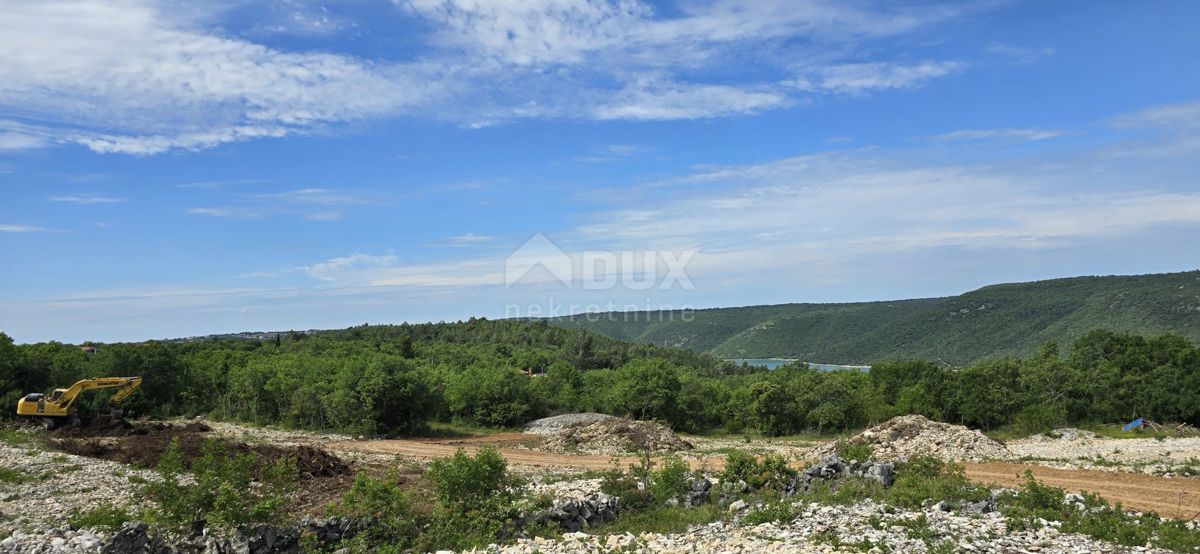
[992, 322]
[396, 379]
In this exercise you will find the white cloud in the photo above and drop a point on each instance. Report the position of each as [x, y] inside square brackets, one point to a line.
[1182, 115]
[14, 228]
[1016, 134]
[314, 196]
[469, 239]
[146, 71]
[228, 213]
[149, 76]
[858, 78]
[655, 100]
[86, 200]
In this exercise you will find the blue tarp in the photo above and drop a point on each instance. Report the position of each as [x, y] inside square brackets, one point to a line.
[1133, 424]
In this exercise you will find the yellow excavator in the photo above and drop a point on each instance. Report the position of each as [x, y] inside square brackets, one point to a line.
[59, 407]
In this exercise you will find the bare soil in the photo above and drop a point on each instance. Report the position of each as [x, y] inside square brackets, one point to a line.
[321, 476]
[1177, 497]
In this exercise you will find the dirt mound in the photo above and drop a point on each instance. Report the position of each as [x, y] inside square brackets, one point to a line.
[615, 435]
[143, 444]
[910, 436]
[554, 424]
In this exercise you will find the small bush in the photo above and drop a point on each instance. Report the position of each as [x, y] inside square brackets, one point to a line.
[624, 486]
[469, 481]
[924, 479]
[671, 480]
[105, 517]
[739, 466]
[387, 504]
[771, 472]
[854, 451]
[223, 490]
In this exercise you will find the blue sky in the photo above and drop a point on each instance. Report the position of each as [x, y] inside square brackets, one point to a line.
[176, 168]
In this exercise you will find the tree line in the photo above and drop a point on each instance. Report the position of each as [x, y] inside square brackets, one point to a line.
[395, 379]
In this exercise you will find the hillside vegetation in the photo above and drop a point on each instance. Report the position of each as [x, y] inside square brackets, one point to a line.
[395, 380]
[991, 322]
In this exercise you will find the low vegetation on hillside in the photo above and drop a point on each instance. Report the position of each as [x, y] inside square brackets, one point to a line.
[398, 379]
[992, 322]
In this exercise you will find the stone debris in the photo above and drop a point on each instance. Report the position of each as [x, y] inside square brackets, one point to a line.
[554, 424]
[576, 514]
[904, 437]
[1170, 456]
[867, 526]
[615, 436]
[835, 468]
[53, 541]
[53, 484]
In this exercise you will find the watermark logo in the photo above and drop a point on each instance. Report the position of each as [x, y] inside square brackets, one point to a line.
[540, 260]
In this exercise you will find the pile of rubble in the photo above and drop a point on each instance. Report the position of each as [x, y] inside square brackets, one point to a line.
[904, 437]
[555, 424]
[574, 514]
[615, 436]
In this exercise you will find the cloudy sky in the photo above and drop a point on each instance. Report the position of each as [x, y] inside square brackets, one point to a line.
[173, 168]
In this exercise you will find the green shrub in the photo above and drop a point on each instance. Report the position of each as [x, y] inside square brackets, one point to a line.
[671, 480]
[387, 504]
[739, 466]
[461, 479]
[926, 478]
[854, 451]
[105, 517]
[621, 484]
[772, 472]
[221, 490]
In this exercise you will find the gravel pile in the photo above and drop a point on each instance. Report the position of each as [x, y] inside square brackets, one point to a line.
[51, 484]
[554, 424]
[615, 436]
[817, 527]
[56, 541]
[910, 436]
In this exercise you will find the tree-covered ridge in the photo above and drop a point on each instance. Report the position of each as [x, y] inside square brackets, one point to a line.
[397, 379]
[991, 322]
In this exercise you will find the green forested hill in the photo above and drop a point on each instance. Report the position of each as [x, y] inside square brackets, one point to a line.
[997, 320]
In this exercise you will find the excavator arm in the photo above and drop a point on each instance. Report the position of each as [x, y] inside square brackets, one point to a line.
[60, 404]
[126, 385]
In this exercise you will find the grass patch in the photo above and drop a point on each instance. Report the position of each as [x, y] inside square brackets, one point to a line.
[663, 519]
[458, 429]
[13, 476]
[106, 517]
[15, 438]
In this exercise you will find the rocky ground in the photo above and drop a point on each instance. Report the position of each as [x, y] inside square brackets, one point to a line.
[45, 486]
[42, 486]
[1076, 449]
[868, 527]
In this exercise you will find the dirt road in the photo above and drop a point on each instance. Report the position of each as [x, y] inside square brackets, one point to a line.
[1135, 491]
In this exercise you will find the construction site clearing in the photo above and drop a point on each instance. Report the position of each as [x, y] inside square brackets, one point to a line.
[80, 468]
